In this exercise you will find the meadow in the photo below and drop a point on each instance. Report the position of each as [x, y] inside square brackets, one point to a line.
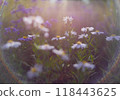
[59, 41]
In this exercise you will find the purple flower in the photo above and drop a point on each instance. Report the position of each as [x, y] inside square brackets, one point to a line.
[11, 29]
[25, 38]
[18, 10]
[15, 30]
[8, 29]
[47, 24]
[5, 3]
[22, 9]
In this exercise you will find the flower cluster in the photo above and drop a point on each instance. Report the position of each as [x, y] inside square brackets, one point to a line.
[58, 38]
[67, 19]
[79, 45]
[35, 21]
[71, 52]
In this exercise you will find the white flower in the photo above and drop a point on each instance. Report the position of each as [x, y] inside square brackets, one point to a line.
[11, 44]
[113, 36]
[39, 20]
[90, 28]
[83, 35]
[33, 36]
[28, 20]
[67, 19]
[44, 47]
[85, 29]
[79, 45]
[58, 38]
[97, 32]
[72, 33]
[46, 35]
[41, 27]
[84, 65]
[61, 53]
[35, 20]
[34, 71]
[67, 33]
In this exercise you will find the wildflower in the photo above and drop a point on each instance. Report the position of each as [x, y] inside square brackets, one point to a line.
[46, 35]
[33, 20]
[28, 20]
[71, 32]
[84, 65]
[113, 36]
[79, 45]
[90, 28]
[67, 33]
[8, 30]
[83, 35]
[61, 53]
[48, 24]
[11, 29]
[67, 19]
[44, 47]
[22, 9]
[41, 27]
[5, 3]
[25, 38]
[34, 71]
[11, 44]
[97, 32]
[58, 38]
[85, 29]
[33, 36]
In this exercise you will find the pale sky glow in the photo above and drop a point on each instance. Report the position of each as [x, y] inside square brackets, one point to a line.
[53, 1]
